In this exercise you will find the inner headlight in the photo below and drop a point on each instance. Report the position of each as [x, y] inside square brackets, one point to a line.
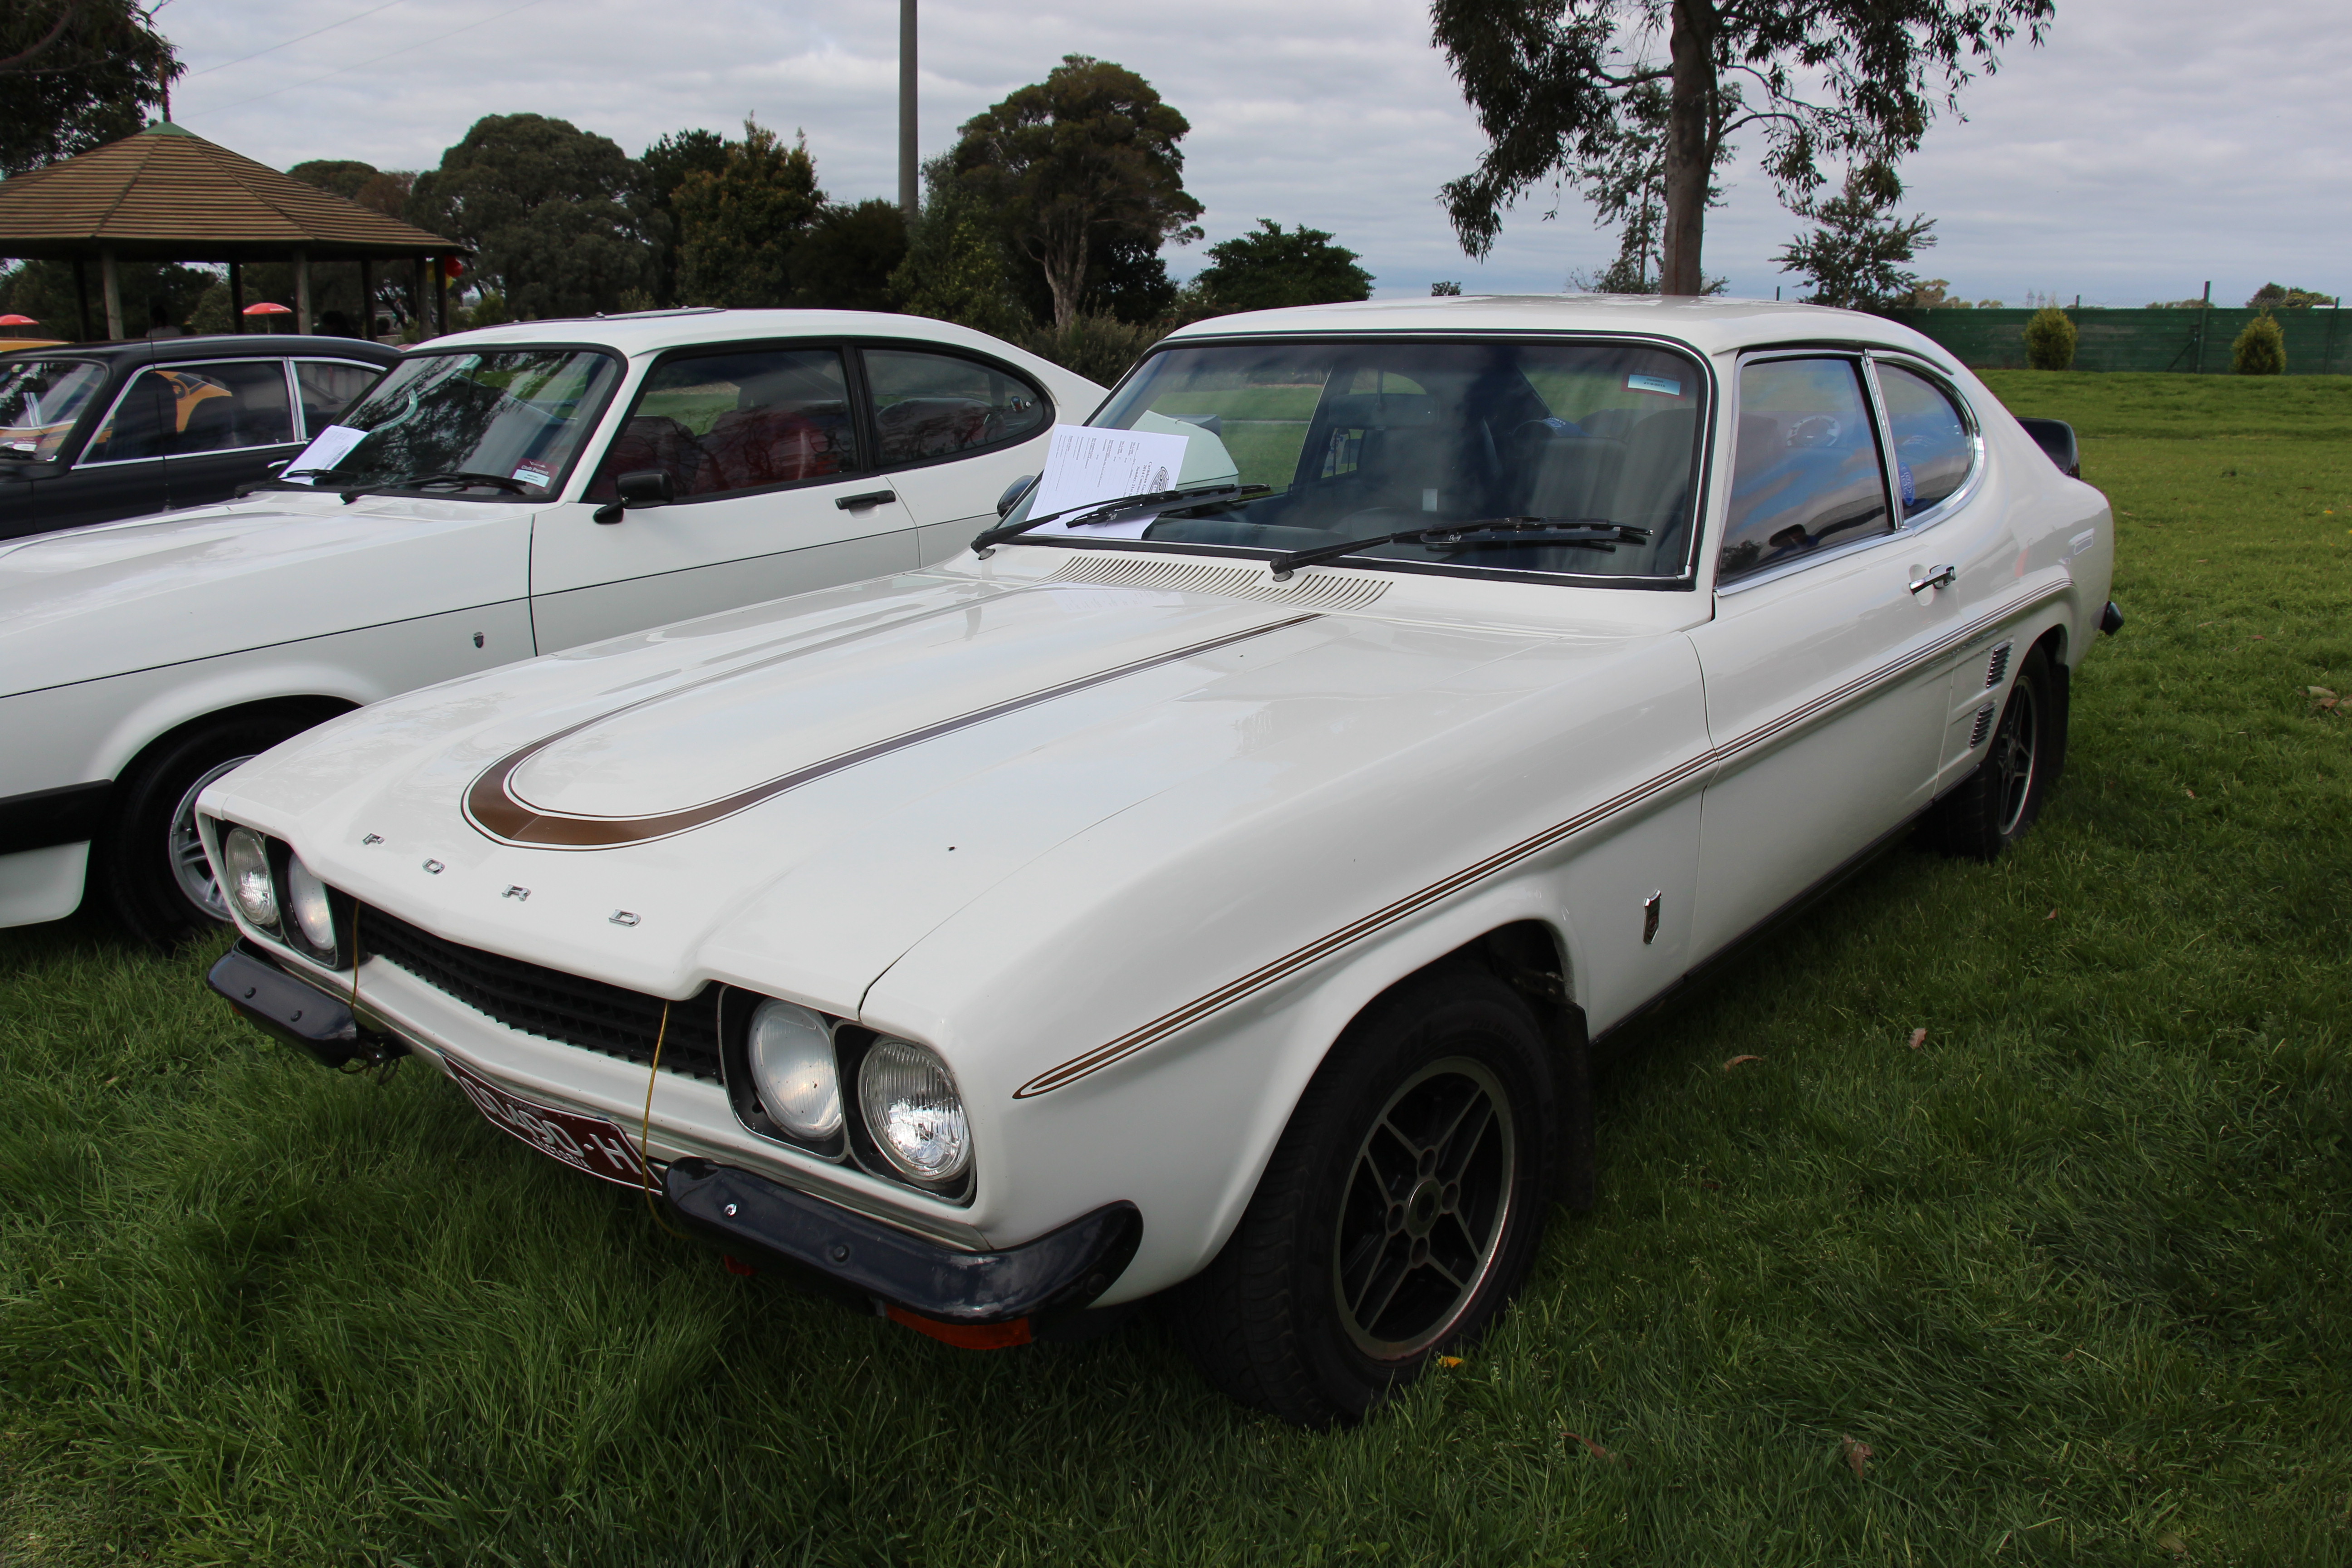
[306, 896]
[913, 1111]
[249, 882]
[791, 1061]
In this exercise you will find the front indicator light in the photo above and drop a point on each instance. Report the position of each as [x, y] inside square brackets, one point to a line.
[314, 917]
[913, 1111]
[249, 882]
[791, 1062]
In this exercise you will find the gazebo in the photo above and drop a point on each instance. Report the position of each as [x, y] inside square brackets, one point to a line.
[168, 194]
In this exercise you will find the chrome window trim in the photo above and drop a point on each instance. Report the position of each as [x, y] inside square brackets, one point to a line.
[107, 420]
[1968, 420]
[1858, 357]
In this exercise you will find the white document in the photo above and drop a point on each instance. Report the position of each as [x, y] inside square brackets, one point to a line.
[325, 450]
[1086, 464]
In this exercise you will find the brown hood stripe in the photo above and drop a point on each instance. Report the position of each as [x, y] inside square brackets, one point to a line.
[1738, 749]
[496, 812]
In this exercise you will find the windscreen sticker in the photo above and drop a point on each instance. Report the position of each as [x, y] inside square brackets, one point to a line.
[531, 471]
[326, 449]
[1910, 487]
[1666, 386]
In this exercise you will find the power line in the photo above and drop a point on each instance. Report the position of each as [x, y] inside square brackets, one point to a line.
[313, 33]
[363, 65]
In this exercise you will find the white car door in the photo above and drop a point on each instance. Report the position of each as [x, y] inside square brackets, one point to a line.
[953, 431]
[1825, 682]
[772, 471]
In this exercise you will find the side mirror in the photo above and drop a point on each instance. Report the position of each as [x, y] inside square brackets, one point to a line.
[2056, 437]
[1013, 494]
[646, 487]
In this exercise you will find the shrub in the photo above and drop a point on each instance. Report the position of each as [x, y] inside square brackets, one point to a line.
[1099, 348]
[2260, 348]
[2049, 340]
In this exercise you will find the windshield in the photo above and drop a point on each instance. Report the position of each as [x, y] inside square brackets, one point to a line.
[1356, 440]
[514, 418]
[39, 401]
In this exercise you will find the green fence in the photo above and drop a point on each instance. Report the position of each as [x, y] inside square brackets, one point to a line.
[2318, 341]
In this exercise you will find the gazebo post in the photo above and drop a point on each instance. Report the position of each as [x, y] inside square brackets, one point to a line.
[302, 292]
[416, 297]
[440, 295]
[236, 294]
[111, 285]
[367, 297]
[82, 298]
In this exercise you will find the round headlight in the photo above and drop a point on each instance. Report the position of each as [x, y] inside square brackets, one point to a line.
[791, 1062]
[249, 882]
[914, 1111]
[306, 896]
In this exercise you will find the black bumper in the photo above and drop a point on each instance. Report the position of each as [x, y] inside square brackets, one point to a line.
[834, 1249]
[296, 1011]
[821, 1245]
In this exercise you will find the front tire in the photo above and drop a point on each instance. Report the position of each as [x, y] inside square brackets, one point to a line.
[148, 868]
[1996, 804]
[1401, 1211]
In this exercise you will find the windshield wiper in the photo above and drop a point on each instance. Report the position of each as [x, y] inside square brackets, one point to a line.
[1126, 509]
[1577, 533]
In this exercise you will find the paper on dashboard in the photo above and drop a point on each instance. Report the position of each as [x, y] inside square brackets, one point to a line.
[1087, 463]
[327, 449]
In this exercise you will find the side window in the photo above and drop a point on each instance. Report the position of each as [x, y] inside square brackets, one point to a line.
[930, 406]
[1806, 469]
[228, 404]
[328, 386]
[1932, 448]
[137, 425]
[717, 424]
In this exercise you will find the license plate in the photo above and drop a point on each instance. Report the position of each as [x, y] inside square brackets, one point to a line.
[588, 1144]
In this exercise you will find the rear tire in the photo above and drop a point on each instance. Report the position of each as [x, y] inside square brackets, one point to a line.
[1998, 803]
[148, 868]
[1401, 1211]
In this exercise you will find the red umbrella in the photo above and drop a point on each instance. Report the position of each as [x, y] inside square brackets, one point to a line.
[15, 320]
[266, 308]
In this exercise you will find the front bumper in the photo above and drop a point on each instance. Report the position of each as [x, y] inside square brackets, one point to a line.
[821, 1245]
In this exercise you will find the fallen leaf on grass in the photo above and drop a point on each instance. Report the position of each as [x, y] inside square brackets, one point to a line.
[2317, 691]
[1737, 1060]
[1855, 1455]
[1449, 1362]
[1919, 1038]
[2191, 793]
[1593, 1448]
[2051, 916]
[2168, 1541]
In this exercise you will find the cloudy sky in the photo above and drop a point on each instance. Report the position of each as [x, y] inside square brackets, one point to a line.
[2148, 146]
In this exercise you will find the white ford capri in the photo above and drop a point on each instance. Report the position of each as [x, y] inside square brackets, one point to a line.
[1215, 890]
[497, 494]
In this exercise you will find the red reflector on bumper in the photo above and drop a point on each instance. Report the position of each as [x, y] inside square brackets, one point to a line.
[966, 1336]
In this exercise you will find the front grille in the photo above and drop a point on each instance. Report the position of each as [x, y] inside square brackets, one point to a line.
[548, 1003]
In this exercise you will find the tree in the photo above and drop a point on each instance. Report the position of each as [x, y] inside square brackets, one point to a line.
[737, 225]
[1564, 88]
[2260, 348]
[666, 165]
[1267, 268]
[556, 215]
[2271, 296]
[2049, 340]
[1855, 252]
[846, 259]
[77, 74]
[1077, 164]
[957, 268]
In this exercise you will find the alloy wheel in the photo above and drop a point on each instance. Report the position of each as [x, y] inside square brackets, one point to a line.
[2013, 756]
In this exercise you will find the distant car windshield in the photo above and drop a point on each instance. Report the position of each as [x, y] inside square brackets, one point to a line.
[1357, 440]
[512, 419]
[39, 401]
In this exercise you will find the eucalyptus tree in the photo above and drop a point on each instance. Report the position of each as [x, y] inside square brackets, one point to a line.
[1563, 88]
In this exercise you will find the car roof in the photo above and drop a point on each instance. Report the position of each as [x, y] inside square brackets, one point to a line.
[1710, 325]
[215, 345]
[651, 331]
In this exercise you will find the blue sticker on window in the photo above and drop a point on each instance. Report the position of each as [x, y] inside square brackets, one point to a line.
[1658, 383]
[1910, 490]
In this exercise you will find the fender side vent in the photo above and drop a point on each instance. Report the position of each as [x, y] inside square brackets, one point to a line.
[1982, 726]
[1324, 590]
[1998, 668]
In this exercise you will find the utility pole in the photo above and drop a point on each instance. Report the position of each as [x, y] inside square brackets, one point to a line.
[909, 197]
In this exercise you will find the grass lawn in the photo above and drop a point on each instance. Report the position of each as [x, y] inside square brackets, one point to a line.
[2075, 1270]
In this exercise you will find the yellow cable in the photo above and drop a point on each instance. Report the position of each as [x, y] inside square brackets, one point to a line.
[645, 1131]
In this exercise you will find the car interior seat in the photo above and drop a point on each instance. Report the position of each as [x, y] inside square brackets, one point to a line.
[780, 444]
[650, 441]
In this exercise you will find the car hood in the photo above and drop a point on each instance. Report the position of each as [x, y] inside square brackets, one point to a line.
[792, 797]
[87, 603]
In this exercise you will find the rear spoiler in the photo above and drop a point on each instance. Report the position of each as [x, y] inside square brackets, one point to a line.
[2056, 437]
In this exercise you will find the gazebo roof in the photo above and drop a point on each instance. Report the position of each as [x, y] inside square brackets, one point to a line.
[168, 194]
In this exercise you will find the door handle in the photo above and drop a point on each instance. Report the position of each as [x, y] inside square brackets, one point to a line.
[1936, 577]
[871, 497]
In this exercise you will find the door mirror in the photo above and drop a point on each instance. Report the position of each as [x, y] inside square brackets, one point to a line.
[1013, 494]
[646, 487]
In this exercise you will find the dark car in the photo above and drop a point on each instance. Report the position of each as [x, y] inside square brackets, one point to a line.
[90, 432]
